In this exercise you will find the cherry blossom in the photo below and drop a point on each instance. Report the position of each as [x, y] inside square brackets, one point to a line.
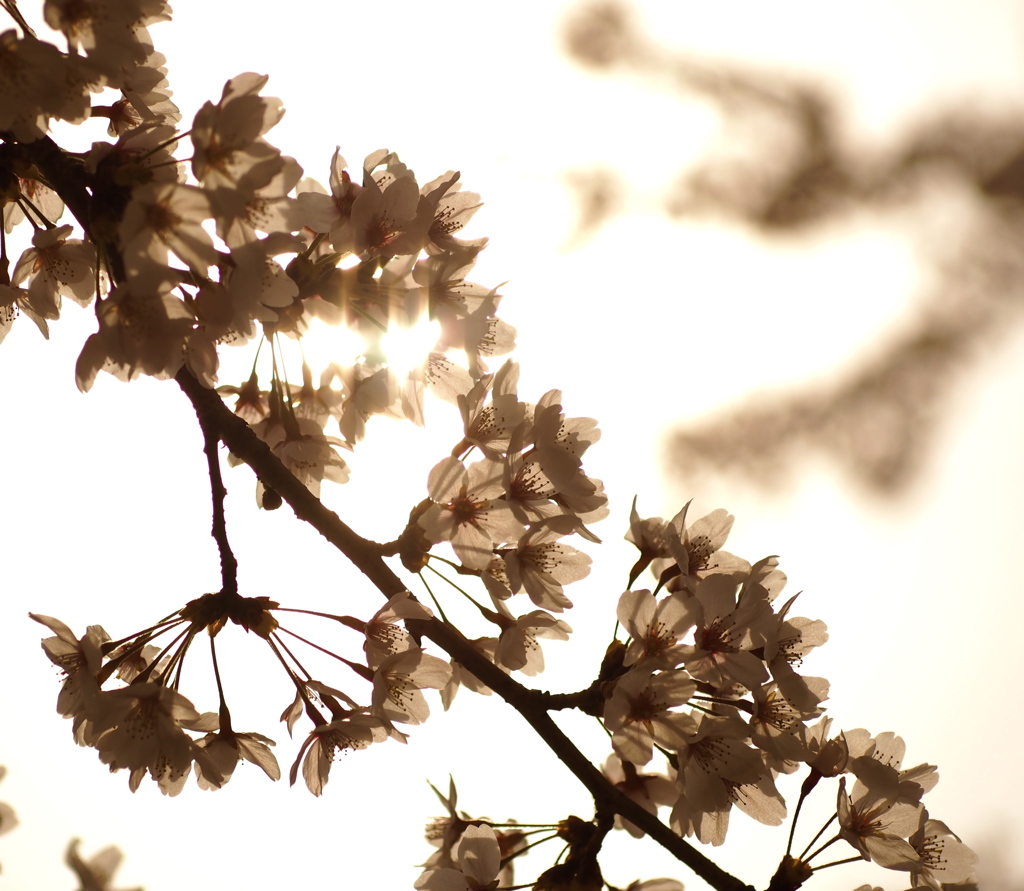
[528, 490]
[777, 728]
[56, 266]
[641, 713]
[384, 637]
[229, 149]
[162, 217]
[327, 742]
[112, 33]
[446, 210]
[876, 823]
[325, 213]
[541, 564]
[13, 302]
[379, 218]
[650, 536]
[826, 756]
[695, 548]
[717, 769]
[444, 295]
[79, 660]
[140, 728]
[518, 646]
[649, 790]
[944, 859]
[139, 332]
[38, 82]
[468, 510]
[489, 425]
[655, 626]
[478, 860]
[226, 748]
[368, 391]
[302, 447]
[41, 197]
[240, 215]
[727, 632]
[147, 97]
[398, 683]
[793, 639]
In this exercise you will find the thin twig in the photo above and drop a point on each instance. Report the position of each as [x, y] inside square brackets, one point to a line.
[228, 563]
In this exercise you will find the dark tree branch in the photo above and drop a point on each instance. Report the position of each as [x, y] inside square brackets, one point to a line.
[228, 563]
[366, 555]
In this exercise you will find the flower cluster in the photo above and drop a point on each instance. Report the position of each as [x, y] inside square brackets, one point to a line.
[474, 854]
[505, 515]
[148, 727]
[234, 246]
[709, 678]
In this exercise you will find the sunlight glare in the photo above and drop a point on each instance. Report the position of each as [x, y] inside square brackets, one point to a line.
[323, 344]
[407, 348]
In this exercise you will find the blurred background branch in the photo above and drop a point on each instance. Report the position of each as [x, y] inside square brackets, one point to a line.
[785, 165]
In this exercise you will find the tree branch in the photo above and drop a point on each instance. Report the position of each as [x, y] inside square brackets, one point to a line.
[68, 177]
[243, 442]
[228, 563]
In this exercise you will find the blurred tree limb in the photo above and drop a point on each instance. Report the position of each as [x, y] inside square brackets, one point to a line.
[789, 169]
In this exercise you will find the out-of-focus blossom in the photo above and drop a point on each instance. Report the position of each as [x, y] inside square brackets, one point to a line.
[96, 873]
[8, 819]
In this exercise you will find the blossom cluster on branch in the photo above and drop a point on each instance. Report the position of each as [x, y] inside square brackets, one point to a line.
[700, 691]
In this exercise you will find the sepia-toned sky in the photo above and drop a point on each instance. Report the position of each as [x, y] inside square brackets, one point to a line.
[644, 323]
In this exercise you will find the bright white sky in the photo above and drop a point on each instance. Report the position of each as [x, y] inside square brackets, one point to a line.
[106, 502]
